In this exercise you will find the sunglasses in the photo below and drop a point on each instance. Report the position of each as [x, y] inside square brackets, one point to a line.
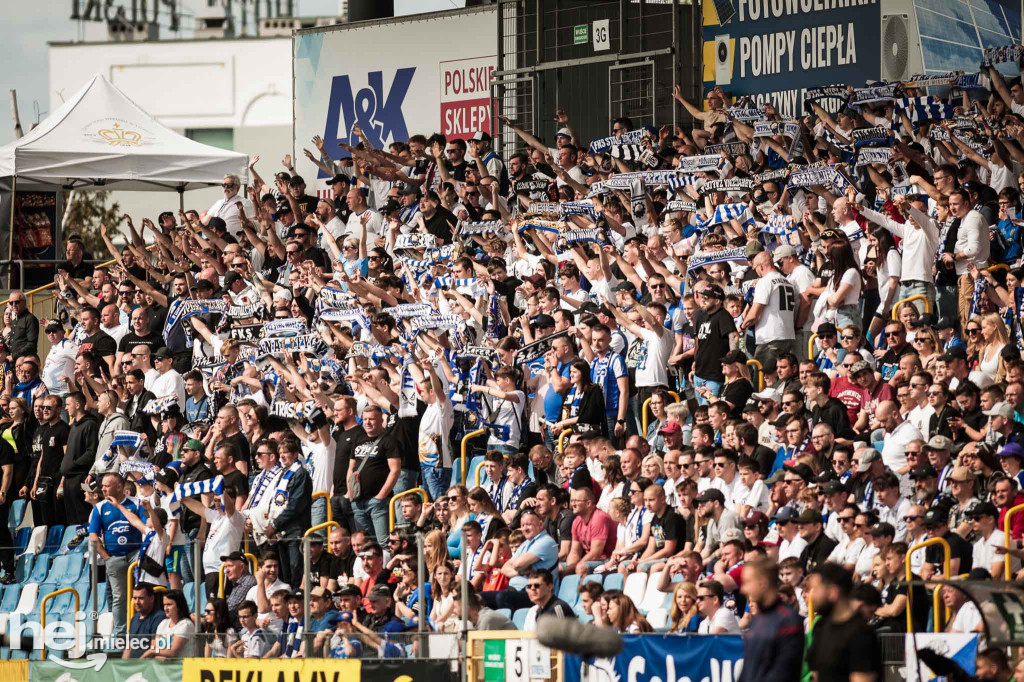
[913, 518]
[534, 586]
[972, 332]
[845, 519]
[890, 334]
[787, 403]
[718, 465]
[847, 337]
[229, 185]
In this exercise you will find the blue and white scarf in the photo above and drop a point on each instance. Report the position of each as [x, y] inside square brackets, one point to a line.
[292, 326]
[699, 260]
[191, 489]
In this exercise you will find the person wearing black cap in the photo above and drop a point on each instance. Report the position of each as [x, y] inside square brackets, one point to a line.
[437, 219]
[711, 508]
[716, 336]
[819, 546]
[984, 554]
[936, 522]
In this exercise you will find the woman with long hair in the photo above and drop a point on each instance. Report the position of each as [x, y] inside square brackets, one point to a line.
[889, 266]
[622, 614]
[485, 513]
[927, 345]
[938, 400]
[994, 338]
[435, 550]
[972, 335]
[613, 485]
[737, 388]
[217, 631]
[176, 627]
[840, 301]
[684, 613]
[852, 340]
[443, 586]
[583, 406]
[458, 510]
[659, 401]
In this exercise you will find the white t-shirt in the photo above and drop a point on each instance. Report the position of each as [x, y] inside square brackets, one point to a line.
[508, 412]
[226, 210]
[60, 361]
[170, 383]
[652, 366]
[320, 464]
[271, 589]
[966, 619]
[723, 618]
[224, 537]
[792, 548]
[851, 277]
[802, 278]
[183, 628]
[984, 550]
[436, 423]
[155, 551]
[173, 510]
[373, 226]
[778, 296]
[757, 496]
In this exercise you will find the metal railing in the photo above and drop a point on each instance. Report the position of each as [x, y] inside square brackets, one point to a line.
[463, 474]
[937, 592]
[916, 297]
[561, 439]
[391, 505]
[327, 496]
[42, 610]
[643, 412]
[760, 372]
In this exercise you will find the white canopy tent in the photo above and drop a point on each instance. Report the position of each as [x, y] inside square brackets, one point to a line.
[100, 139]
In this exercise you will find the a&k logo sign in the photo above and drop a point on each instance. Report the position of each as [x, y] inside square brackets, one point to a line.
[375, 109]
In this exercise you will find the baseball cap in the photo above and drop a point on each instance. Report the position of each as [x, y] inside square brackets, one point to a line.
[349, 590]
[866, 458]
[233, 556]
[543, 321]
[1000, 409]
[203, 284]
[162, 353]
[54, 326]
[771, 394]
[752, 406]
[786, 514]
[922, 472]
[983, 509]
[320, 592]
[297, 594]
[730, 534]
[936, 517]
[563, 132]
[1012, 450]
[168, 477]
[625, 286]
[961, 474]
[709, 495]
[858, 367]
[883, 529]
[713, 291]
[945, 322]
[231, 278]
[939, 443]
[409, 190]
[671, 427]
[734, 356]
[195, 444]
[809, 516]
[784, 251]
[754, 248]
[832, 487]
[802, 470]
[755, 518]
[926, 320]
[92, 486]
[955, 353]
[340, 177]
[379, 592]
[482, 136]
[345, 617]
[826, 329]
[389, 206]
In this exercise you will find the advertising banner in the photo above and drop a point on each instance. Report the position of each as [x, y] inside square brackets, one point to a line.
[961, 648]
[420, 670]
[112, 669]
[664, 657]
[772, 51]
[14, 671]
[393, 79]
[269, 670]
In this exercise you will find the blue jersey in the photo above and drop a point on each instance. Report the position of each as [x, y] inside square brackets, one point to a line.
[553, 399]
[120, 538]
[605, 372]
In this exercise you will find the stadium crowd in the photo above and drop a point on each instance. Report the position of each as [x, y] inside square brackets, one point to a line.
[689, 351]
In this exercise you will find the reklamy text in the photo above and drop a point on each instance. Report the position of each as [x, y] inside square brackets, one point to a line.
[819, 47]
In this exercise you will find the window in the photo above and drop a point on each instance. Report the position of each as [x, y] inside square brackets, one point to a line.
[215, 137]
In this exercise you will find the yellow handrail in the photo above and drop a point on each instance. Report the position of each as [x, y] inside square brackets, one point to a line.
[327, 496]
[946, 566]
[321, 526]
[643, 411]
[220, 573]
[129, 588]
[998, 266]
[476, 473]
[908, 299]
[463, 474]
[406, 493]
[561, 439]
[760, 372]
[1006, 536]
[810, 611]
[78, 607]
[255, 563]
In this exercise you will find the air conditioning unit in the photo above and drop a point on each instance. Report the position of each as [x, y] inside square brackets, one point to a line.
[895, 47]
[120, 31]
[279, 27]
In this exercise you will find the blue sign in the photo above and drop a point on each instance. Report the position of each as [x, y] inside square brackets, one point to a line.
[376, 111]
[772, 50]
[664, 658]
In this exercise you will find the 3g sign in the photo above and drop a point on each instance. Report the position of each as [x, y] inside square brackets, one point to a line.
[602, 35]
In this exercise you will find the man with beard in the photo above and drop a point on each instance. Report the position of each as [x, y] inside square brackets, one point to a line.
[773, 645]
[843, 646]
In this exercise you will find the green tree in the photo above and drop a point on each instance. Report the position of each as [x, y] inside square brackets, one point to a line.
[84, 215]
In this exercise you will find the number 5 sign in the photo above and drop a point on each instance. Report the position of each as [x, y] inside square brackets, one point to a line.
[602, 35]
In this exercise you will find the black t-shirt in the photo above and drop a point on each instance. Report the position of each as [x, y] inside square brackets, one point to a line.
[839, 649]
[307, 203]
[51, 439]
[712, 343]
[346, 441]
[833, 413]
[80, 271]
[100, 343]
[403, 432]
[131, 340]
[919, 612]
[561, 528]
[343, 566]
[958, 549]
[441, 224]
[237, 480]
[372, 454]
[668, 526]
[737, 393]
[890, 362]
[157, 318]
[241, 445]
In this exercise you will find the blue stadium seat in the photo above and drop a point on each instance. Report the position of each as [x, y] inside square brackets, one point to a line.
[97, 602]
[44, 589]
[19, 655]
[21, 537]
[74, 568]
[5, 653]
[593, 578]
[519, 618]
[83, 587]
[23, 567]
[58, 568]
[613, 581]
[567, 592]
[70, 533]
[16, 513]
[190, 595]
[506, 612]
[53, 537]
[40, 568]
[10, 598]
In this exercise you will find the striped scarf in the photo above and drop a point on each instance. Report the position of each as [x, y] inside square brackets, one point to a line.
[193, 488]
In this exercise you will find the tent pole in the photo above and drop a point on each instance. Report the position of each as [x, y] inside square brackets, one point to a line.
[10, 238]
[181, 198]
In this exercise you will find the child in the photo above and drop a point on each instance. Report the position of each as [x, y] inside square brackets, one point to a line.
[150, 568]
[343, 644]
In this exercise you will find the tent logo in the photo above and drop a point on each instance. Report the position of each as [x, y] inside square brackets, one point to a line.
[116, 137]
